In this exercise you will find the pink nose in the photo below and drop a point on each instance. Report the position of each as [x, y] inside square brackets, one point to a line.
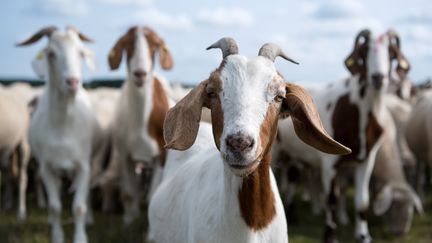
[73, 83]
[239, 143]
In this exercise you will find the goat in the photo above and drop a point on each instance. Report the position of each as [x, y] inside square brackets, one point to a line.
[226, 192]
[353, 111]
[138, 121]
[419, 135]
[63, 130]
[14, 147]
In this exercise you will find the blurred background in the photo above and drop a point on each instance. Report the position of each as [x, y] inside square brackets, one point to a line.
[317, 33]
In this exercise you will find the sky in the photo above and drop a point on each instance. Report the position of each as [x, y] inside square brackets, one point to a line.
[317, 33]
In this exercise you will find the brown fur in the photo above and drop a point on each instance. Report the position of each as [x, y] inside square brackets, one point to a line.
[157, 117]
[256, 198]
[345, 123]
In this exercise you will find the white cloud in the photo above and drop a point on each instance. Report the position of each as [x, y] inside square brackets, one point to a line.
[420, 17]
[127, 2]
[226, 17]
[158, 19]
[336, 9]
[61, 7]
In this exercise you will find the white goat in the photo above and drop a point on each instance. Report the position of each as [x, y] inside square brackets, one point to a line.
[140, 112]
[354, 113]
[63, 128]
[14, 148]
[226, 192]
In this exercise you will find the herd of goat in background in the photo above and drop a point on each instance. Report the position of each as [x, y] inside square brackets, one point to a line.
[201, 160]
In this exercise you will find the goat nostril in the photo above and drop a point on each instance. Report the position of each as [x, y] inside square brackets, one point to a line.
[239, 143]
[72, 81]
[140, 74]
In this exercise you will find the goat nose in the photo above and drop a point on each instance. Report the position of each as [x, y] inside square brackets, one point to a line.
[377, 80]
[72, 82]
[239, 143]
[140, 74]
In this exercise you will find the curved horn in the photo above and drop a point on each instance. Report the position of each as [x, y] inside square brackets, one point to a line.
[365, 34]
[227, 45]
[271, 51]
[47, 31]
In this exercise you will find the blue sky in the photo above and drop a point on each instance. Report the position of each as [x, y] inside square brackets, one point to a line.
[317, 33]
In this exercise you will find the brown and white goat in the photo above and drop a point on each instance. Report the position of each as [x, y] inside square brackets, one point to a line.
[353, 111]
[225, 191]
[137, 128]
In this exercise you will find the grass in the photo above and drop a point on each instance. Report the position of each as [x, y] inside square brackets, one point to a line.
[108, 228]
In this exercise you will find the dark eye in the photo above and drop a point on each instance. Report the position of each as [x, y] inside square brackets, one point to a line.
[51, 55]
[279, 98]
[211, 94]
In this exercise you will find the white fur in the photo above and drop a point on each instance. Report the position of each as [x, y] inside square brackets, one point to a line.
[198, 200]
[62, 133]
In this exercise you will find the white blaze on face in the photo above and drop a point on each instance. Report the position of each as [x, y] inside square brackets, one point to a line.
[64, 53]
[141, 59]
[248, 87]
[378, 58]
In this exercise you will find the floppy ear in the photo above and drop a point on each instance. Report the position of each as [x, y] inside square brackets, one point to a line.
[355, 62]
[40, 65]
[182, 121]
[307, 123]
[116, 53]
[165, 58]
[383, 201]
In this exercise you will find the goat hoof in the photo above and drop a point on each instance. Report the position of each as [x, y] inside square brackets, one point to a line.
[364, 239]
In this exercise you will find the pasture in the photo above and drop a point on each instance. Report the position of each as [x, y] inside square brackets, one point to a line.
[108, 228]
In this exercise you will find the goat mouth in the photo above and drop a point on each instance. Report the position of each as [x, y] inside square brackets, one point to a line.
[139, 82]
[244, 170]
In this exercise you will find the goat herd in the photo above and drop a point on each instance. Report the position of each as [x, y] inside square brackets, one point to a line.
[201, 160]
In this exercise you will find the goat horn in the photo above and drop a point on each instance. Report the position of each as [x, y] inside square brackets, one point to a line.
[47, 31]
[80, 35]
[227, 45]
[271, 51]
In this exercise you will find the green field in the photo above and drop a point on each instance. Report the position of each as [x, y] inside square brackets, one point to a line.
[108, 228]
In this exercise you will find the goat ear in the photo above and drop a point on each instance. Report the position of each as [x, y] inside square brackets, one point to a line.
[182, 121]
[88, 56]
[416, 201]
[116, 53]
[307, 124]
[165, 58]
[354, 61]
[383, 201]
[403, 66]
[40, 65]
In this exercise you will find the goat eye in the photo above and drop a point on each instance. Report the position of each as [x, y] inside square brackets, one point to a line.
[279, 98]
[51, 55]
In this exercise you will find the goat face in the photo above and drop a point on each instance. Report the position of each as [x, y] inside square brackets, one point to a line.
[61, 58]
[246, 97]
[141, 45]
[372, 59]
